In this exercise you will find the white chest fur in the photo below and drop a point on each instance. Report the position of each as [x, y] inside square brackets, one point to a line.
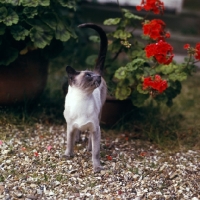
[82, 109]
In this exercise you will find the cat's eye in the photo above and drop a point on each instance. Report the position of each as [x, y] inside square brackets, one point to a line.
[88, 75]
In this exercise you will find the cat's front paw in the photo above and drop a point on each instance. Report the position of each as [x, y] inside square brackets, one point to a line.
[89, 147]
[68, 155]
[98, 169]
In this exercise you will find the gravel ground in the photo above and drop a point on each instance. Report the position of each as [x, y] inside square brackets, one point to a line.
[32, 167]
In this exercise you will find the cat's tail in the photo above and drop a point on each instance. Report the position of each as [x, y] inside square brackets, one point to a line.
[103, 45]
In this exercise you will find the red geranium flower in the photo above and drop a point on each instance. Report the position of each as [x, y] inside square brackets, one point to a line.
[162, 52]
[156, 84]
[156, 6]
[155, 29]
[186, 46]
[193, 51]
[197, 54]
[167, 35]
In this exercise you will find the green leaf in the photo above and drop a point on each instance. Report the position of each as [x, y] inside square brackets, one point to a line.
[131, 79]
[29, 3]
[13, 2]
[61, 32]
[68, 3]
[44, 2]
[178, 77]
[135, 64]
[12, 18]
[94, 38]
[122, 93]
[145, 37]
[125, 10]
[50, 20]
[91, 60]
[132, 16]
[112, 21]
[140, 53]
[41, 35]
[138, 99]
[149, 71]
[139, 76]
[140, 89]
[120, 73]
[129, 15]
[121, 34]
[2, 29]
[161, 98]
[19, 32]
[3, 13]
[71, 32]
[30, 12]
[166, 69]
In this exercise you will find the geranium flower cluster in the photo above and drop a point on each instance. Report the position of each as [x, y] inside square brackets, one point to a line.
[156, 6]
[150, 70]
[155, 29]
[161, 51]
[154, 84]
[193, 51]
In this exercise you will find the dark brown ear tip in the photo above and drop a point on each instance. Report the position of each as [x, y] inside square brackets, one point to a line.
[68, 67]
[71, 70]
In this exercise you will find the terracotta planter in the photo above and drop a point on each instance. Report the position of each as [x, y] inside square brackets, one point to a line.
[24, 79]
[114, 110]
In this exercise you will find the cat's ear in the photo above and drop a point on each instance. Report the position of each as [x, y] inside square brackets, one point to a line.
[71, 71]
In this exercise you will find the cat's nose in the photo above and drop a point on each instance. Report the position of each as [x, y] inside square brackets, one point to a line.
[99, 78]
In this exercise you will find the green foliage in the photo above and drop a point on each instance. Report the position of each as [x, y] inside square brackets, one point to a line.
[91, 60]
[178, 76]
[3, 13]
[41, 36]
[33, 23]
[19, 32]
[122, 92]
[120, 73]
[129, 15]
[62, 33]
[140, 89]
[128, 76]
[121, 34]
[94, 38]
[138, 99]
[68, 3]
[112, 21]
[31, 12]
[11, 17]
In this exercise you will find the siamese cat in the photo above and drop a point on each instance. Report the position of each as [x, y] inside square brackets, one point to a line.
[86, 95]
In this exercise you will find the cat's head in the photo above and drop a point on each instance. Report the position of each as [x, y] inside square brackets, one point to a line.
[84, 80]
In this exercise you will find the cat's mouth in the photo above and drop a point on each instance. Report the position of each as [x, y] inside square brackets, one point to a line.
[96, 84]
